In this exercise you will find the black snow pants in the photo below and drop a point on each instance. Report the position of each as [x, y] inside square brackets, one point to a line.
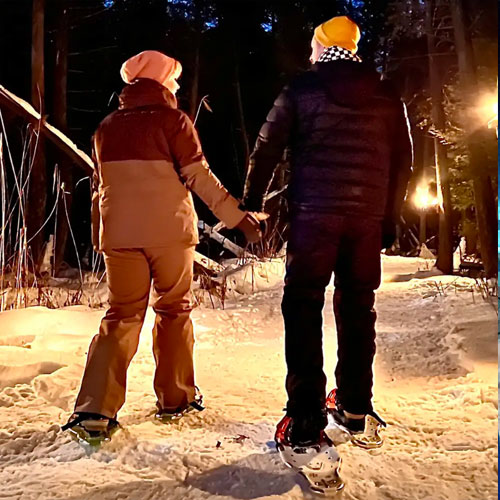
[348, 246]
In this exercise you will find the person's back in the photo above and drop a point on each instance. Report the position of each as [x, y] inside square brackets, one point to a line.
[343, 139]
[144, 202]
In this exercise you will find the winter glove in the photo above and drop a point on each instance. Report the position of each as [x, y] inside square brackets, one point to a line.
[251, 227]
[389, 233]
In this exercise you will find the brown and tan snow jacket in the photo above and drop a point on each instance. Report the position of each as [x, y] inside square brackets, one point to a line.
[148, 159]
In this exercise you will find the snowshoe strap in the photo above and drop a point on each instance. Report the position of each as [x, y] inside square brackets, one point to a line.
[377, 418]
[81, 417]
[197, 406]
[71, 423]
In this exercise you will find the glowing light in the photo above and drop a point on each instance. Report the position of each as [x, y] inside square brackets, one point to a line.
[488, 108]
[493, 121]
[423, 198]
[493, 109]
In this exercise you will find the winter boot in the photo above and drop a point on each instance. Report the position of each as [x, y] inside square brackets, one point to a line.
[166, 416]
[315, 458]
[91, 428]
[363, 432]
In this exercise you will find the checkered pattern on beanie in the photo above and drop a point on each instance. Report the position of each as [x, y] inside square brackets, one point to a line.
[335, 53]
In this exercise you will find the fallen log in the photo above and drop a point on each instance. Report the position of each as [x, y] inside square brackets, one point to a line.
[25, 110]
[227, 244]
[206, 265]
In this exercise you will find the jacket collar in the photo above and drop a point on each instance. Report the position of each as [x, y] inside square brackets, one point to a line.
[145, 92]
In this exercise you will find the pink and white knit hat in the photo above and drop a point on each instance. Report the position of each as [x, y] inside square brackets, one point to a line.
[154, 65]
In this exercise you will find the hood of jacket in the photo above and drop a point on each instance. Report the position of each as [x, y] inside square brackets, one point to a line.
[145, 92]
[349, 84]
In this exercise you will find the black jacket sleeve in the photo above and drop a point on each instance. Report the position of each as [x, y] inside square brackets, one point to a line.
[401, 165]
[273, 138]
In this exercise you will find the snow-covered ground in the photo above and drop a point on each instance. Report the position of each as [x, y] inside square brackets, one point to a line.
[436, 385]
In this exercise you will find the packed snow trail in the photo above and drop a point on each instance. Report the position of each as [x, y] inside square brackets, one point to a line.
[436, 385]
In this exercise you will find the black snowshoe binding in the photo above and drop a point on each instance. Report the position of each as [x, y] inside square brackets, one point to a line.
[167, 416]
[317, 461]
[91, 428]
[363, 432]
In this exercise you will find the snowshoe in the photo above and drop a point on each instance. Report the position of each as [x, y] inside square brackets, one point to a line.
[318, 462]
[91, 429]
[363, 432]
[167, 416]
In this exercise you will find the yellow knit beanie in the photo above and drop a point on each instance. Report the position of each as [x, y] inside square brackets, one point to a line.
[339, 31]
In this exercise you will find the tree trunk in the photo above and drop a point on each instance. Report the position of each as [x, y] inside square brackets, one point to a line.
[483, 190]
[240, 118]
[61, 122]
[445, 251]
[231, 19]
[37, 194]
[193, 98]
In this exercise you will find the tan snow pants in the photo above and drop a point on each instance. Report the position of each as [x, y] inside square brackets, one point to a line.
[129, 276]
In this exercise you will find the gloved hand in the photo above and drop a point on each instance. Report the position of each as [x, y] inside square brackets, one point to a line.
[250, 226]
[389, 233]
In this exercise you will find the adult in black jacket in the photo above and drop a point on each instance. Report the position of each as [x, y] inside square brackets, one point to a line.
[350, 152]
